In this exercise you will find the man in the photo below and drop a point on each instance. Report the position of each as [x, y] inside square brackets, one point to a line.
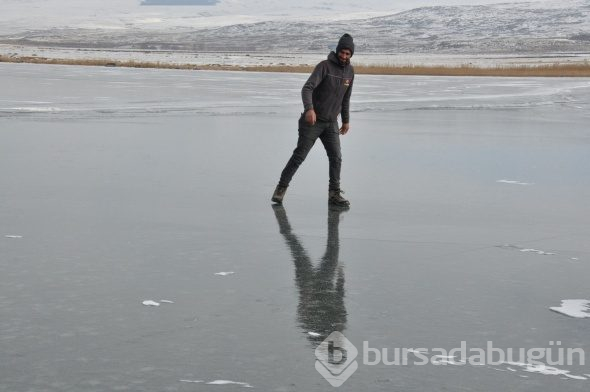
[325, 95]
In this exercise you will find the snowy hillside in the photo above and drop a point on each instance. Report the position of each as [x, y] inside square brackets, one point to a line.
[534, 27]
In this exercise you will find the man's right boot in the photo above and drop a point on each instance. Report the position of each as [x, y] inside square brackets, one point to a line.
[335, 199]
[279, 193]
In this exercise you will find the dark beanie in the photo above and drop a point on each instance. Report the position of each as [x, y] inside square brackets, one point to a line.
[345, 42]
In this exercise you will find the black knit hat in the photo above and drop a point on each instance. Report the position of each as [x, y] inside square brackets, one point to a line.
[345, 42]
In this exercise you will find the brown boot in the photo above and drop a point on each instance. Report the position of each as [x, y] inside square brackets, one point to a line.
[335, 198]
[277, 197]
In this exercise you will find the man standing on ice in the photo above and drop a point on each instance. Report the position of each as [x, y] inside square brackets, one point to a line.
[325, 95]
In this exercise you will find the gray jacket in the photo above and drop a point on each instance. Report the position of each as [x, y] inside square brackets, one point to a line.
[328, 90]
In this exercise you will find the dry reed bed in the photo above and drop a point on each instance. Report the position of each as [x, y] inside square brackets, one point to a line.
[544, 70]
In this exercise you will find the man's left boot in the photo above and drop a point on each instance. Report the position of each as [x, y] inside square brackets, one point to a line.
[277, 196]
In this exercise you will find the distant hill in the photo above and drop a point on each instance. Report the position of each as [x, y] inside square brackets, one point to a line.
[179, 2]
[560, 26]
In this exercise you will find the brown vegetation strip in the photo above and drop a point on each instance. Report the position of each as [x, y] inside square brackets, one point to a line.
[555, 70]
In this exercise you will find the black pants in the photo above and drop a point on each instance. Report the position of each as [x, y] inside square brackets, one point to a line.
[329, 134]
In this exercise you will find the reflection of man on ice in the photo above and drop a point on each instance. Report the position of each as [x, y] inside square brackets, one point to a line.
[321, 309]
[325, 95]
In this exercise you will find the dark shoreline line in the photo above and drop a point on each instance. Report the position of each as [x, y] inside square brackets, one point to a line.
[542, 70]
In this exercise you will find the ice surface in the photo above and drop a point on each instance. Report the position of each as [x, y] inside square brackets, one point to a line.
[142, 190]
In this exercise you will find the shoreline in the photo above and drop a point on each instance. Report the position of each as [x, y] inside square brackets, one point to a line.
[547, 69]
[556, 64]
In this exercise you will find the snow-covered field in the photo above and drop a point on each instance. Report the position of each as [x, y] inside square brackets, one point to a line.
[140, 250]
[267, 32]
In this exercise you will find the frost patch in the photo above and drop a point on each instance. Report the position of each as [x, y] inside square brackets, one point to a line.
[227, 382]
[526, 250]
[544, 369]
[514, 182]
[36, 109]
[446, 360]
[224, 273]
[150, 302]
[537, 251]
[577, 308]
[219, 382]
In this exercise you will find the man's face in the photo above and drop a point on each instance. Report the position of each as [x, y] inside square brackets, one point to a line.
[344, 56]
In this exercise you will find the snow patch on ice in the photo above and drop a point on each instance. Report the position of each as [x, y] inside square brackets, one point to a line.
[224, 273]
[539, 252]
[542, 369]
[577, 308]
[575, 377]
[30, 109]
[514, 182]
[446, 360]
[156, 303]
[227, 382]
[526, 250]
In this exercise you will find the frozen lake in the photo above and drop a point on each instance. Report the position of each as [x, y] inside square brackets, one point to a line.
[139, 249]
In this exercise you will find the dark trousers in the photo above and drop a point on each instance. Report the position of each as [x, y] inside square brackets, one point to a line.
[329, 134]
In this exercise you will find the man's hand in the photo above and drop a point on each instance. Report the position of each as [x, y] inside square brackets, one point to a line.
[344, 128]
[310, 117]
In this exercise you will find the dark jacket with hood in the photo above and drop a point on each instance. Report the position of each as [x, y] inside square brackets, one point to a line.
[328, 90]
